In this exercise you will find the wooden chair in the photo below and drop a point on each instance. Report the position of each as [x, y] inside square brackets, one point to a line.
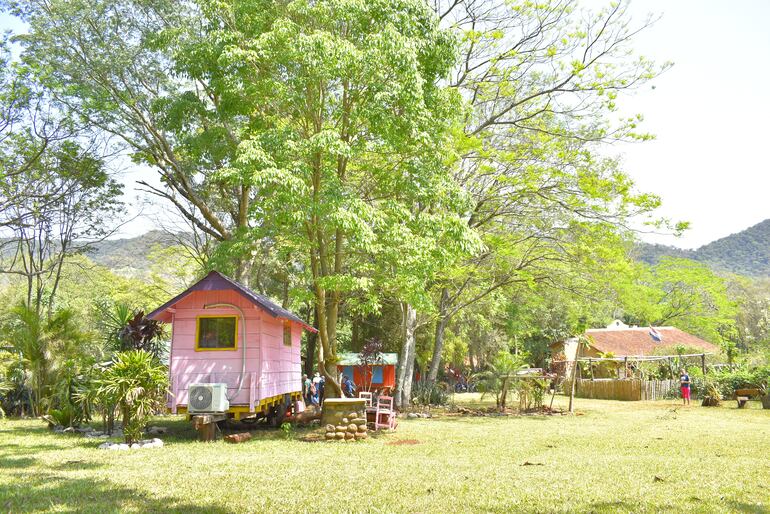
[384, 414]
[367, 396]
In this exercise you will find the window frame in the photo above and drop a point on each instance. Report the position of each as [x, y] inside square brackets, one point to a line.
[287, 332]
[198, 333]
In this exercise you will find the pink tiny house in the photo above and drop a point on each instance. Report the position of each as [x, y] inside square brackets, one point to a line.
[222, 332]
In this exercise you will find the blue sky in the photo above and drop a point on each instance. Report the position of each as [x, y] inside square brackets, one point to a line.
[709, 113]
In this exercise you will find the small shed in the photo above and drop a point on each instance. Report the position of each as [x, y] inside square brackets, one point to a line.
[379, 376]
[223, 332]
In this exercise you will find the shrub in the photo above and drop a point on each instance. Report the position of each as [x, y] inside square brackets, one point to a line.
[496, 379]
[710, 393]
[430, 393]
[67, 416]
[531, 393]
[137, 384]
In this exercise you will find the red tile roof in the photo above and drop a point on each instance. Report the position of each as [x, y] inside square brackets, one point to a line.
[637, 341]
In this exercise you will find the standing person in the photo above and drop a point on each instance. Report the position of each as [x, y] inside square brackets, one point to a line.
[684, 385]
[306, 384]
[316, 385]
[321, 384]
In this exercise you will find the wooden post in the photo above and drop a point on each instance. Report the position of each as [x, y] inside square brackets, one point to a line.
[703, 363]
[670, 367]
[591, 368]
[625, 365]
[206, 425]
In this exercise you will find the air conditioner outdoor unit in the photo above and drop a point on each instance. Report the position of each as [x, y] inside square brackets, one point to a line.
[207, 398]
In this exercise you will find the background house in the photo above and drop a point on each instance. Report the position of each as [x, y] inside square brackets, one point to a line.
[622, 340]
[381, 374]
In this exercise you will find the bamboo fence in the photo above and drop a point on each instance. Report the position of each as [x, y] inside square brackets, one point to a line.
[627, 390]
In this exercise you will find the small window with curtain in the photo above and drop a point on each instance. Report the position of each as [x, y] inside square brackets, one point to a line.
[287, 333]
[217, 333]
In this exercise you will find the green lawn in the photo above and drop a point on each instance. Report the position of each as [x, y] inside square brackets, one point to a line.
[614, 457]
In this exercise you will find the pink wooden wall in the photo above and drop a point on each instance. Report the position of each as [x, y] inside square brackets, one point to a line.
[271, 367]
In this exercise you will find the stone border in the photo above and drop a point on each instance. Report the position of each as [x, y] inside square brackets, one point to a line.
[146, 443]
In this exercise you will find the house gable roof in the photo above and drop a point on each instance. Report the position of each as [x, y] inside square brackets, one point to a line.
[216, 281]
[637, 341]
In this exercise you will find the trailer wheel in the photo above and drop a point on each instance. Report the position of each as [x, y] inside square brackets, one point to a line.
[277, 413]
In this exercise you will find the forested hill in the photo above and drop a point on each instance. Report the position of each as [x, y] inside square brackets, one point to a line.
[130, 256]
[746, 253]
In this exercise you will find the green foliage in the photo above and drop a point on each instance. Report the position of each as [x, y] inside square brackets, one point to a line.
[43, 346]
[722, 383]
[430, 393]
[66, 416]
[530, 393]
[126, 329]
[137, 384]
[288, 430]
[678, 292]
[496, 378]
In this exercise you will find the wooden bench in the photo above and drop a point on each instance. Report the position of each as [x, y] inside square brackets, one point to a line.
[743, 396]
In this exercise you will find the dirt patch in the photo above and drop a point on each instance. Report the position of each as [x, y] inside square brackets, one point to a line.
[403, 442]
[312, 437]
[496, 412]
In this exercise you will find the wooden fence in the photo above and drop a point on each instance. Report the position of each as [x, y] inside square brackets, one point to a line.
[628, 390]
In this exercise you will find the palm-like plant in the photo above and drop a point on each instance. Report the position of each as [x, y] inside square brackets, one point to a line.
[137, 383]
[113, 317]
[497, 377]
[43, 344]
[127, 329]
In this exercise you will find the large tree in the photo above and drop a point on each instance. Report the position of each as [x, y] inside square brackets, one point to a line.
[114, 63]
[56, 194]
[542, 81]
[349, 144]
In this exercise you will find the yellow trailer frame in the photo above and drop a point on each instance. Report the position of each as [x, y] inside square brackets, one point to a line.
[238, 412]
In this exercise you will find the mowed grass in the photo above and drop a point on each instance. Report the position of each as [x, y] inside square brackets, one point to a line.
[615, 456]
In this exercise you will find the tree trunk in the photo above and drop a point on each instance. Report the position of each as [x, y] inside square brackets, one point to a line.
[355, 336]
[503, 394]
[312, 340]
[438, 345]
[409, 377]
[406, 361]
[326, 310]
[574, 379]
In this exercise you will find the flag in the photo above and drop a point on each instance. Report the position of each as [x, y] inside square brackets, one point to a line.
[655, 335]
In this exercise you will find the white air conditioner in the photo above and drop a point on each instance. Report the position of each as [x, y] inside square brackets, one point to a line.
[207, 398]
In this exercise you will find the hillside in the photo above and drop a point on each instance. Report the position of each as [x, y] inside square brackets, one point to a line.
[130, 256]
[745, 253]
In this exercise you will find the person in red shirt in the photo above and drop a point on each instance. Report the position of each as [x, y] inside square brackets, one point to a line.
[684, 386]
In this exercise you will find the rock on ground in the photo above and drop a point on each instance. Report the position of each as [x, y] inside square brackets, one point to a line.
[146, 443]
